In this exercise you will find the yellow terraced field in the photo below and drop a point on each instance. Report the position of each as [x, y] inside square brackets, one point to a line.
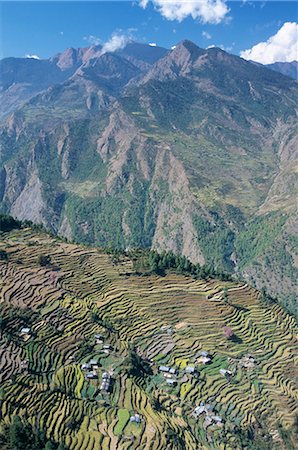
[169, 320]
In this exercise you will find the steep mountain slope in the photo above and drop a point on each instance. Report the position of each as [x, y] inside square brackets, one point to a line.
[286, 68]
[93, 346]
[196, 153]
[142, 55]
[230, 126]
[22, 78]
[73, 58]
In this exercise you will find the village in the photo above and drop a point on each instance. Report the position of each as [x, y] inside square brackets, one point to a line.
[169, 378]
[127, 356]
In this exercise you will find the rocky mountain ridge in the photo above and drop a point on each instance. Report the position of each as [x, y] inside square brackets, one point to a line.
[286, 68]
[189, 150]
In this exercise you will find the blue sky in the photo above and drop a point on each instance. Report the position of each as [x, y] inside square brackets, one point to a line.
[46, 28]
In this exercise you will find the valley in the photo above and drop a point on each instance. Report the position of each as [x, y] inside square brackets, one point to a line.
[148, 225]
[99, 356]
[190, 150]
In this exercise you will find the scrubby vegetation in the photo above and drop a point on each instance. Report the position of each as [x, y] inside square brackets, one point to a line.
[8, 223]
[20, 435]
[83, 351]
[3, 255]
[257, 236]
[44, 260]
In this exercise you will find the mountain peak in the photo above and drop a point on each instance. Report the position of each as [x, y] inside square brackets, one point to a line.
[177, 62]
[74, 57]
[187, 44]
[109, 70]
[186, 52]
[190, 47]
[66, 59]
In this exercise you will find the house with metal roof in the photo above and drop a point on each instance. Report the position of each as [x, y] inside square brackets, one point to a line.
[25, 330]
[164, 369]
[189, 369]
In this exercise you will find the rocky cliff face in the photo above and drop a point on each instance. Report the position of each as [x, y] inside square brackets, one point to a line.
[191, 150]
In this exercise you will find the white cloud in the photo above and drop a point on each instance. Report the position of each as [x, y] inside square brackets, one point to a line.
[93, 40]
[173, 47]
[208, 11]
[116, 42]
[227, 49]
[152, 44]
[32, 56]
[282, 46]
[206, 35]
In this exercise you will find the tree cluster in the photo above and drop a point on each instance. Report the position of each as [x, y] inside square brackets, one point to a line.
[8, 223]
[20, 435]
[3, 255]
[44, 260]
[151, 261]
[134, 365]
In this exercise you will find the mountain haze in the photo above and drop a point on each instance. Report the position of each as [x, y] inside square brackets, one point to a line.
[286, 68]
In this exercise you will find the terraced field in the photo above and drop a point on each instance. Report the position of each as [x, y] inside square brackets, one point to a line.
[85, 312]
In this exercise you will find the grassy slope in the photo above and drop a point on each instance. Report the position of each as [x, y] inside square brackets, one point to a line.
[132, 309]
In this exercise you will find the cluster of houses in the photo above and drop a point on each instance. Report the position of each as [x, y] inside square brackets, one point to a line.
[169, 373]
[99, 339]
[106, 382]
[91, 369]
[210, 416]
[91, 374]
[204, 358]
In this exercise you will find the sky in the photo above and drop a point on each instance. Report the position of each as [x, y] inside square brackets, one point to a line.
[265, 31]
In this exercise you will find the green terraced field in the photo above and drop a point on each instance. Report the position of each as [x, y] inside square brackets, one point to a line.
[169, 321]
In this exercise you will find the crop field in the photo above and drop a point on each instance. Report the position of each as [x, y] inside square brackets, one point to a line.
[68, 328]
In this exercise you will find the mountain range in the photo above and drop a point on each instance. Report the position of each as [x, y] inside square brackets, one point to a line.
[191, 150]
[287, 68]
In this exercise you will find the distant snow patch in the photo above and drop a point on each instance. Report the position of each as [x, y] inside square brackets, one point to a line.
[32, 56]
